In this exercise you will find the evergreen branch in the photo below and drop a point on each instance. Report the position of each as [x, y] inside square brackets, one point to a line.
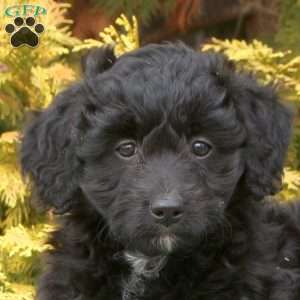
[279, 67]
[123, 36]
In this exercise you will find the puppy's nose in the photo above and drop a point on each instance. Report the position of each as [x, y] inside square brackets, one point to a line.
[167, 210]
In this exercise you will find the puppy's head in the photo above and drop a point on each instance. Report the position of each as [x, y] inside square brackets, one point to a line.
[161, 142]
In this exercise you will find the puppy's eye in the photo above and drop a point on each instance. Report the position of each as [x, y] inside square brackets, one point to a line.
[126, 149]
[201, 148]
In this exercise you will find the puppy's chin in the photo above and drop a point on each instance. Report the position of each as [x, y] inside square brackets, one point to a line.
[156, 241]
[166, 243]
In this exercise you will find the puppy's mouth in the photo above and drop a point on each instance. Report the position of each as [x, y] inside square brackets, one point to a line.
[168, 242]
[158, 240]
[158, 244]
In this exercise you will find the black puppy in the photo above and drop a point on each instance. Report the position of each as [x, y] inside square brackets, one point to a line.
[157, 162]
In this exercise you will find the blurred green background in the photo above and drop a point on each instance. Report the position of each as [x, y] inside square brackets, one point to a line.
[261, 36]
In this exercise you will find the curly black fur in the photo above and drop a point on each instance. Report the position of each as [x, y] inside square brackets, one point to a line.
[227, 245]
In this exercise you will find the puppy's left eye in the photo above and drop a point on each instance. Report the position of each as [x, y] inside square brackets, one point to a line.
[126, 149]
[201, 148]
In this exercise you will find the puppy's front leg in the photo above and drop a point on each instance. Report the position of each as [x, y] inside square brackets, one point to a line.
[51, 288]
[59, 285]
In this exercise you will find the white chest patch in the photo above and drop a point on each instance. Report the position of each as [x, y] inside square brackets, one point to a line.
[144, 265]
[143, 268]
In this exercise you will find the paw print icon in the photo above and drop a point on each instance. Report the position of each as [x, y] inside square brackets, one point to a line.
[24, 32]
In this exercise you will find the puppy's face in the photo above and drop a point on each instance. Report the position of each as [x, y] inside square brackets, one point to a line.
[161, 142]
[162, 156]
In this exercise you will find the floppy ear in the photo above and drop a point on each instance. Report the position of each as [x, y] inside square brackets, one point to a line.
[48, 150]
[268, 126]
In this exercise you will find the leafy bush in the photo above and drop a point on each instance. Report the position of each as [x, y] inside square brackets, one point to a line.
[29, 78]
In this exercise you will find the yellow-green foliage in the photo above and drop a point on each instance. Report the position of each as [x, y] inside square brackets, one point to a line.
[19, 246]
[292, 183]
[29, 78]
[281, 68]
[42, 69]
[123, 36]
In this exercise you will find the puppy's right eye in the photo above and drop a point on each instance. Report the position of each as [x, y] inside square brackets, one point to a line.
[126, 149]
[201, 148]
